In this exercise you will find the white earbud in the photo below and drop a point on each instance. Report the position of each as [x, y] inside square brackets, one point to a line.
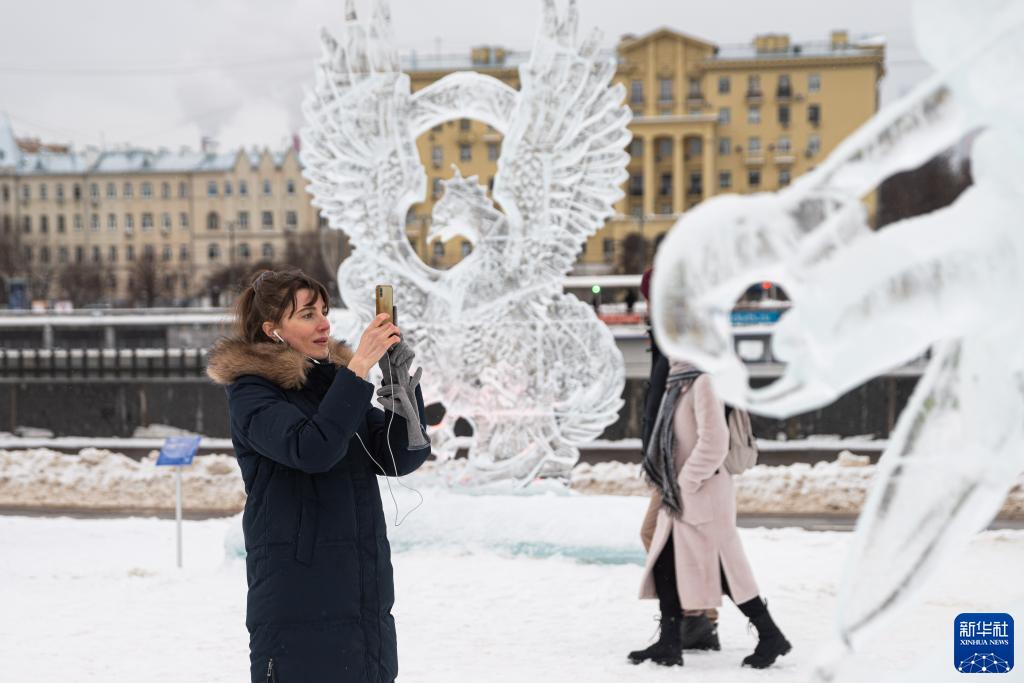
[278, 337]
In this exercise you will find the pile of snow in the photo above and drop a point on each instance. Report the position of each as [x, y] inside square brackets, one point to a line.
[97, 479]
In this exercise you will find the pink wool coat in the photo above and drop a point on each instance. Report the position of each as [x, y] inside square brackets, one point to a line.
[706, 532]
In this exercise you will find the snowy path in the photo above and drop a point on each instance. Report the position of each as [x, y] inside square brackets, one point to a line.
[100, 600]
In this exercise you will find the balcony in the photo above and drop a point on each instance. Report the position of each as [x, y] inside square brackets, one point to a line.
[784, 94]
[754, 158]
[695, 99]
[784, 158]
[754, 96]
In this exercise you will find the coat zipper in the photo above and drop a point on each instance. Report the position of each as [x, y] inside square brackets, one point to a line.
[271, 678]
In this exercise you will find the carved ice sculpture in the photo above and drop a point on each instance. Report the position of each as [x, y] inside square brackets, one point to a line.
[532, 369]
[867, 301]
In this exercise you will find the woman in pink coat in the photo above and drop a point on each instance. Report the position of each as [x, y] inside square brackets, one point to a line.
[701, 541]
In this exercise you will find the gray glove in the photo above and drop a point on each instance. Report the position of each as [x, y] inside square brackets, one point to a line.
[400, 398]
[396, 363]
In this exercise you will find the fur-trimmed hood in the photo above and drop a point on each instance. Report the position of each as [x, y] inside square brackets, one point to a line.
[231, 357]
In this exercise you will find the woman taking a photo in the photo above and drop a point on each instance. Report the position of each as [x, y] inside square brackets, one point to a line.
[310, 446]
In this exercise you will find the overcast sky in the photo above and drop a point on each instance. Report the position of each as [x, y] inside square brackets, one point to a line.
[166, 73]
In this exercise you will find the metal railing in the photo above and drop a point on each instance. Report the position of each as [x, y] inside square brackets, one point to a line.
[101, 363]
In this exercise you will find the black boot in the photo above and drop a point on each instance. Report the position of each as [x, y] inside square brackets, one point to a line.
[700, 633]
[668, 651]
[771, 644]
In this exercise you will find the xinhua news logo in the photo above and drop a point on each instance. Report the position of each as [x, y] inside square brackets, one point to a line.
[983, 643]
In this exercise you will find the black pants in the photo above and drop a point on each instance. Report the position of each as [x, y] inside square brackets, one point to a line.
[665, 582]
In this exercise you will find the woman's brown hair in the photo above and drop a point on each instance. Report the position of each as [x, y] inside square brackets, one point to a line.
[268, 297]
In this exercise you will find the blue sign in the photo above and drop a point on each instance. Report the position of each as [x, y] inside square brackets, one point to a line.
[178, 450]
[756, 317]
[983, 643]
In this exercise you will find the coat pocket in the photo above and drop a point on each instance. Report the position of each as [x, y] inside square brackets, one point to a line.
[698, 507]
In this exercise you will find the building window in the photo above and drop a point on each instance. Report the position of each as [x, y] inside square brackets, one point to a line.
[436, 188]
[636, 185]
[438, 249]
[80, 254]
[664, 147]
[437, 156]
[243, 188]
[753, 85]
[147, 190]
[165, 190]
[94, 190]
[724, 146]
[465, 248]
[754, 178]
[291, 220]
[493, 151]
[636, 91]
[43, 194]
[6, 193]
[724, 115]
[95, 254]
[213, 251]
[228, 190]
[183, 220]
[78, 222]
[147, 222]
[28, 254]
[111, 221]
[636, 148]
[693, 87]
[147, 252]
[183, 252]
[165, 253]
[243, 251]
[182, 190]
[813, 82]
[724, 86]
[665, 187]
[243, 220]
[60, 191]
[212, 221]
[785, 86]
[94, 222]
[783, 147]
[26, 192]
[464, 125]
[111, 190]
[61, 224]
[112, 254]
[753, 146]
[290, 187]
[724, 180]
[608, 248]
[268, 251]
[26, 224]
[814, 114]
[465, 152]
[44, 224]
[696, 185]
[44, 254]
[694, 147]
[754, 115]
[62, 254]
[268, 220]
[266, 187]
[127, 191]
[784, 177]
[165, 222]
[813, 145]
[665, 89]
[211, 188]
[784, 115]
[129, 223]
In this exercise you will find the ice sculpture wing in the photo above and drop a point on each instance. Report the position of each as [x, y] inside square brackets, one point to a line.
[563, 158]
[358, 151]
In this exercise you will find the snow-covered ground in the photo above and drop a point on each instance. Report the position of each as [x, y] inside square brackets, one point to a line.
[97, 479]
[495, 587]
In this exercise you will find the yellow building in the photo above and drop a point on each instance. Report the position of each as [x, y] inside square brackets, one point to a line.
[184, 215]
[707, 120]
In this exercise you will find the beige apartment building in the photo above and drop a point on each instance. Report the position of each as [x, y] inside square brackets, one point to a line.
[188, 214]
[706, 120]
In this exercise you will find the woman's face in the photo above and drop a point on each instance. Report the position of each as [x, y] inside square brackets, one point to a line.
[306, 328]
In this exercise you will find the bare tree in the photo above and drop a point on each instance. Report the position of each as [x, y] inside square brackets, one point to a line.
[318, 254]
[147, 281]
[633, 256]
[82, 283]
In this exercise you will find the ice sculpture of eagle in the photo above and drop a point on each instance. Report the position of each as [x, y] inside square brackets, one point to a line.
[532, 369]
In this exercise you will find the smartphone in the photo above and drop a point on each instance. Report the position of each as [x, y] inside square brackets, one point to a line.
[385, 296]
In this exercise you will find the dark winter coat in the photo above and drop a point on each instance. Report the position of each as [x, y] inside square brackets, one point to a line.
[318, 560]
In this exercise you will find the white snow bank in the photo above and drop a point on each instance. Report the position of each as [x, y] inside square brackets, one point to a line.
[97, 479]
